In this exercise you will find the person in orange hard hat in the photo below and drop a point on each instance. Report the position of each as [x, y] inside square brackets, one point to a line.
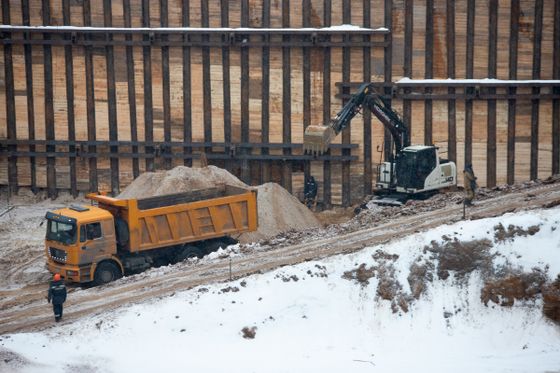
[57, 294]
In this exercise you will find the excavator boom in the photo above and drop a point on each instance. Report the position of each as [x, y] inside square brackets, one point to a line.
[317, 138]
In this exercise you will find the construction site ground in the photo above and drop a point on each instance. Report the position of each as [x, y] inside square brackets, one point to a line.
[23, 305]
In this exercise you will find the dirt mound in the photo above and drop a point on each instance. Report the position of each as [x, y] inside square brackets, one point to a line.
[520, 286]
[179, 179]
[278, 210]
[419, 276]
[551, 297]
[501, 234]
[388, 287]
[461, 257]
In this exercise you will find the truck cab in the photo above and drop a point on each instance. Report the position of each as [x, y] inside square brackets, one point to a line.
[76, 238]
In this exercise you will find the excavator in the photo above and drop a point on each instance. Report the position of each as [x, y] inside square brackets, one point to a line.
[412, 171]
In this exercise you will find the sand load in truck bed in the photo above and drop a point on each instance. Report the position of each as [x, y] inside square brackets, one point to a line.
[278, 210]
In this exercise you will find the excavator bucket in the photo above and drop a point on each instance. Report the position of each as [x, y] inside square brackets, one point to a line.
[317, 138]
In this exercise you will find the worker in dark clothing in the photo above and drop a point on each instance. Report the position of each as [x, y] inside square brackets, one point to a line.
[57, 294]
[310, 191]
[470, 184]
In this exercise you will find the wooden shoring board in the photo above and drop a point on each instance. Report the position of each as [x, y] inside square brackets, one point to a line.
[556, 102]
[327, 182]
[10, 101]
[347, 132]
[244, 99]
[451, 104]
[131, 88]
[226, 92]
[513, 47]
[492, 73]
[367, 140]
[111, 100]
[49, 105]
[429, 70]
[286, 98]
[265, 94]
[536, 74]
[166, 84]
[30, 99]
[187, 88]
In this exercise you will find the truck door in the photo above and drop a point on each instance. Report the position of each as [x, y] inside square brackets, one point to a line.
[93, 241]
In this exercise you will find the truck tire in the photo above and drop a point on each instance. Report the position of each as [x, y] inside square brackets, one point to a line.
[106, 272]
[214, 245]
[187, 252]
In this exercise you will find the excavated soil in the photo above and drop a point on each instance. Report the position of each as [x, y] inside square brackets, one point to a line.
[551, 298]
[278, 210]
[515, 286]
[180, 179]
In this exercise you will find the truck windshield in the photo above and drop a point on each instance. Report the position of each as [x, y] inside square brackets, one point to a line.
[62, 232]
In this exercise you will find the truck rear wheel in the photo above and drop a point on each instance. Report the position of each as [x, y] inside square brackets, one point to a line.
[187, 252]
[106, 272]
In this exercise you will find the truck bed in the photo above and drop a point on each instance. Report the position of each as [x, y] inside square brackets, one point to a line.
[181, 218]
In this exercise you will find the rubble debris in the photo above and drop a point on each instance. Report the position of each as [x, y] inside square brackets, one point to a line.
[285, 278]
[461, 257]
[388, 287]
[360, 274]
[420, 274]
[501, 234]
[249, 333]
[551, 298]
[515, 286]
[233, 289]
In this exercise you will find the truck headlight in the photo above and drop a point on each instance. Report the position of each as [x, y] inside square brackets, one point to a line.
[72, 273]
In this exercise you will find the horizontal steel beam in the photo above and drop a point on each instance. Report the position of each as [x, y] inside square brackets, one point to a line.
[175, 155]
[194, 145]
[306, 31]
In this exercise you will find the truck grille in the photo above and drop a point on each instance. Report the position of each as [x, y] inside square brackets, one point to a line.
[57, 255]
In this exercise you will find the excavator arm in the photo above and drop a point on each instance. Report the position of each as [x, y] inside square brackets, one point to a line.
[317, 138]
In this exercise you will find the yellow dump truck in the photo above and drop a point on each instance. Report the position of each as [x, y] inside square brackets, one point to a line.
[101, 243]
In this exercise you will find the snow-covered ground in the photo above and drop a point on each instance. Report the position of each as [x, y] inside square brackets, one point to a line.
[309, 318]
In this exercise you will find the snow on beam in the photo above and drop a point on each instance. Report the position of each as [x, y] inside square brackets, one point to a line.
[407, 82]
[341, 29]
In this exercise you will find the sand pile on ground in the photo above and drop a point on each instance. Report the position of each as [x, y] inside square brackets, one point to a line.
[278, 210]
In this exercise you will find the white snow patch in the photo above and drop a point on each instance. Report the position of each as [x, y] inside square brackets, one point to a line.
[310, 319]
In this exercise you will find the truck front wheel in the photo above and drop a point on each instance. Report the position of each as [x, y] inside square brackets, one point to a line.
[106, 272]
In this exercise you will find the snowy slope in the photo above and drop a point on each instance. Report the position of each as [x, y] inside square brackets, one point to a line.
[309, 318]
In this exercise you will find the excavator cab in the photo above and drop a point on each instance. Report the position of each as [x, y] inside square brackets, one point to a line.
[414, 166]
[417, 169]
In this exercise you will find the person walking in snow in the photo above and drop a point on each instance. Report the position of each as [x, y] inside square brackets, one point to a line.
[57, 294]
[470, 184]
